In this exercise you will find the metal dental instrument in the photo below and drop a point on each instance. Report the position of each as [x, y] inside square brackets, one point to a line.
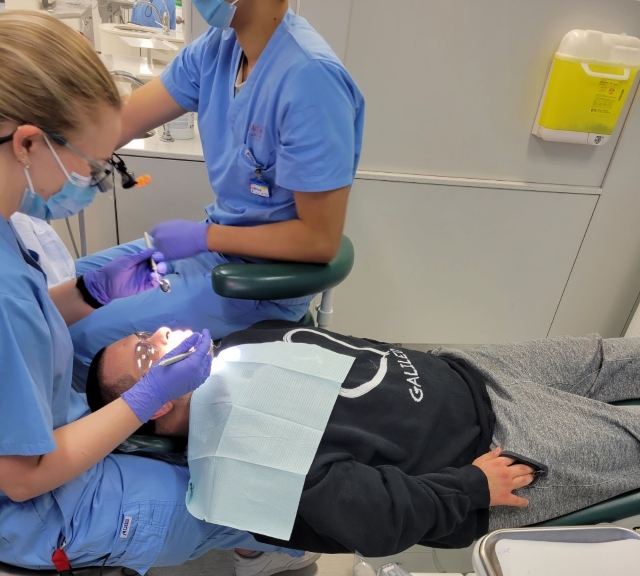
[165, 285]
[178, 357]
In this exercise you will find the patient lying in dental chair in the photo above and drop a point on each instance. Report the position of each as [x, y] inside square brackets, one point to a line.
[411, 453]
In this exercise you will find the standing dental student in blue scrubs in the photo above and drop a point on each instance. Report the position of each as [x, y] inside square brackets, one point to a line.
[281, 123]
[60, 486]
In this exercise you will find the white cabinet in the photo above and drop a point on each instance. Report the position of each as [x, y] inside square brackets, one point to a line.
[180, 189]
[446, 264]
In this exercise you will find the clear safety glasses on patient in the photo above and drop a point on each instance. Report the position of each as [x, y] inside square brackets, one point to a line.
[146, 354]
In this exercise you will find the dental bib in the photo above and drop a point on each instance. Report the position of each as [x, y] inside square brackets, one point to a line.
[255, 427]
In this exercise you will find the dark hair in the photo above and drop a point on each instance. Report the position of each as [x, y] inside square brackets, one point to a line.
[100, 393]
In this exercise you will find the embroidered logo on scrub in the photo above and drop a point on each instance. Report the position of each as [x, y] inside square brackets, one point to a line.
[256, 132]
[126, 526]
[415, 390]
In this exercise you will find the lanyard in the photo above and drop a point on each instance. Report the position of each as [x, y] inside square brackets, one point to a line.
[63, 566]
[61, 562]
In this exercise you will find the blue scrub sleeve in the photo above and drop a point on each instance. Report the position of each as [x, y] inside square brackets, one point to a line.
[182, 77]
[320, 129]
[26, 421]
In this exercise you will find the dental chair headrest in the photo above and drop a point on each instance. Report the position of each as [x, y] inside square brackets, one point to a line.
[94, 397]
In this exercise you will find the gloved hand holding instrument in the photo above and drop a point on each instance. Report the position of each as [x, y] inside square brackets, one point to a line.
[122, 277]
[169, 381]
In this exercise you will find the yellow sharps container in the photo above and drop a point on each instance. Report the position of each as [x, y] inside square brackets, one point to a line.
[590, 78]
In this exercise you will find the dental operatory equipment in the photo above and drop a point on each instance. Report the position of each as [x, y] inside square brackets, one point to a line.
[164, 18]
[176, 358]
[165, 285]
[362, 568]
[393, 569]
[576, 551]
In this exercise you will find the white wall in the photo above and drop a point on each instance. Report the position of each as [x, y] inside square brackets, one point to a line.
[466, 226]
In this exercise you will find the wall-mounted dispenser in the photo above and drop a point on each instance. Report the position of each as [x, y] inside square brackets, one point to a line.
[590, 78]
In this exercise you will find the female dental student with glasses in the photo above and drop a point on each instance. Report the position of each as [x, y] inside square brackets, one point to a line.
[60, 486]
[281, 123]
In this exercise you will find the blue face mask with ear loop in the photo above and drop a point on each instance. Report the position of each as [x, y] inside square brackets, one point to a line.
[217, 13]
[73, 197]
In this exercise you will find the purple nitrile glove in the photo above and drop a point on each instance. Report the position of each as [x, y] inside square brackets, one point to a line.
[124, 276]
[165, 383]
[178, 239]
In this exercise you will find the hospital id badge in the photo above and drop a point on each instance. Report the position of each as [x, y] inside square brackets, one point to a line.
[260, 188]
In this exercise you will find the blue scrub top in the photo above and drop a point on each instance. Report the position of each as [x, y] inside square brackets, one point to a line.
[35, 357]
[35, 399]
[89, 512]
[296, 124]
[146, 16]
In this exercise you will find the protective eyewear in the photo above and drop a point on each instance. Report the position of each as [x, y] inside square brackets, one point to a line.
[101, 172]
[146, 354]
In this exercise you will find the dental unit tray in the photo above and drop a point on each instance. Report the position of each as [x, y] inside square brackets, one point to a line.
[486, 562]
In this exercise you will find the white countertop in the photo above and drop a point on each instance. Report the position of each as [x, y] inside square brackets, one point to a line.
[137, 31]
[136, 65]
[153, 148]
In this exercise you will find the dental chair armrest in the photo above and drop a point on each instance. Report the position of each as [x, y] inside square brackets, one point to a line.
[612, 510]
[627, 403]
[282, 280]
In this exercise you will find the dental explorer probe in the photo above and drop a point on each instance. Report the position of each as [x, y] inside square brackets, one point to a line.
[178, 357]
[165, 285]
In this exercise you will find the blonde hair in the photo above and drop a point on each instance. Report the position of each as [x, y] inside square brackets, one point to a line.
[50, 76]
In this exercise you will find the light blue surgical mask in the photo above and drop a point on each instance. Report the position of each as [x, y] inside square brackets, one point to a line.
[217, 13]
[75, 195]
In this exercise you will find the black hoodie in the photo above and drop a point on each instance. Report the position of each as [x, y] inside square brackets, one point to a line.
[393, 468]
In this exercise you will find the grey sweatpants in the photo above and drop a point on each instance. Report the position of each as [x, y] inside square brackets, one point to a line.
[550, 401]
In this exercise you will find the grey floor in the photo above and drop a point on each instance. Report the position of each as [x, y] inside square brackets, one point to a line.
[216, 563]
[220, 563]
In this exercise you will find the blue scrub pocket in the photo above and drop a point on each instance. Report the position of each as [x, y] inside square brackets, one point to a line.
[141, 535]
[254, 172]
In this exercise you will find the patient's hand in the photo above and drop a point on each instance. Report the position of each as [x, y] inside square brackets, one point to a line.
[504, 478]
